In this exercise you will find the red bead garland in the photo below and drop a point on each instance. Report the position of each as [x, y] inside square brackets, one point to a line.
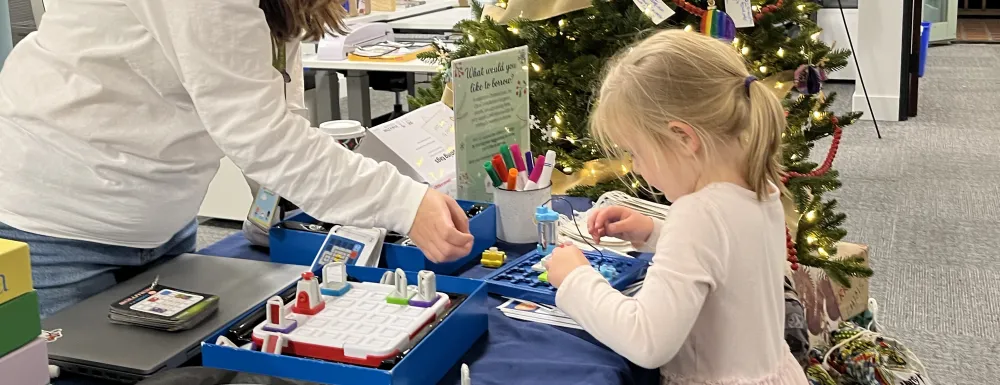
[793, 257]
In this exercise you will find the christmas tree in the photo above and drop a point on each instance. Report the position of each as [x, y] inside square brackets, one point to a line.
[783, 49]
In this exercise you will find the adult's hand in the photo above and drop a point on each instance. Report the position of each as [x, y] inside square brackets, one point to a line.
[441, 229]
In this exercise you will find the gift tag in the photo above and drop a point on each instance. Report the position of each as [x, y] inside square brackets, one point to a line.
[740, 11]
[657, 10]
[264, 208]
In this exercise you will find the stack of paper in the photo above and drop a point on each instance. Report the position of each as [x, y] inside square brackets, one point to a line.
[533, 312]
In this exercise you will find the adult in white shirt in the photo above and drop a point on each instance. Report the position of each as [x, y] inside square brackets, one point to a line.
[115, 114]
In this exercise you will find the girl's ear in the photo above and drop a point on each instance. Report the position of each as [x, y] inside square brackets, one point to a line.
[686, 135]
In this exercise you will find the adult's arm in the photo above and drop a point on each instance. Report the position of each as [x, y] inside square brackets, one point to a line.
[221, 50]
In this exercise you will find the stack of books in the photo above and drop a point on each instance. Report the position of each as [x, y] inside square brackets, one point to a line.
[23, 355]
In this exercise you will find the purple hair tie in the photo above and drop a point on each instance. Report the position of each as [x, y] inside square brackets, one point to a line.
[747, 81]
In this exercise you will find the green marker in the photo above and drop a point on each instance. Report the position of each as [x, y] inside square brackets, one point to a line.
[493, 174]
[508, 159]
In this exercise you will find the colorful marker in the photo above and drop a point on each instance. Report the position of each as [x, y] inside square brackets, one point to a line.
[512, 179]
[499, 166]
[529, 162]
[532, 183]
[508, 160]
[550, 163]
[493, 174]
[515, 152]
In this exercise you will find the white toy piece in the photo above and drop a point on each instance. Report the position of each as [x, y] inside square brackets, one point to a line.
[400, 293]
[308, 299]
[388, 278]
[223, 341]
[466, 377]
[277, 319]
[334, 279]
[426, 289]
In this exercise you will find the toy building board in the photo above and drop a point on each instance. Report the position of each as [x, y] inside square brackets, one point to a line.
[518, 280]
[436, 351]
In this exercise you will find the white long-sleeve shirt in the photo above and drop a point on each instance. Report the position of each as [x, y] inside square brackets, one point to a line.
[115, 114]
[711, 309]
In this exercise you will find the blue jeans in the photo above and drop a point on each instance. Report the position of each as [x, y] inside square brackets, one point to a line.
[66, 271]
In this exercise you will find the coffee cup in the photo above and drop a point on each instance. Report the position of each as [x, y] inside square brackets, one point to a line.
[348, 133]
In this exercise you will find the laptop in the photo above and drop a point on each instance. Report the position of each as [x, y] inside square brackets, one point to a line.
[89, 344]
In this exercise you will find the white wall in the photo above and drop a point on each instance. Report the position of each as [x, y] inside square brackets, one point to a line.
[835, 33]
[881, 24]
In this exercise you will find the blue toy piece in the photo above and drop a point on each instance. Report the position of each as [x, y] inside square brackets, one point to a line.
[546, 219]
[608, 271]
[335, 292]
[516, 279]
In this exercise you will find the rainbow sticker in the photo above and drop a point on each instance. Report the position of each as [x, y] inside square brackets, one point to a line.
[719, 25]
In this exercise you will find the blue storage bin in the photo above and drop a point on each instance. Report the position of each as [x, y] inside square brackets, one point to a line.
[300, 247]
[426, 363]
[925, 42]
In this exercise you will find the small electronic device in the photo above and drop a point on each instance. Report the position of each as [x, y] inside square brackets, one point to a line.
[264, 209]
[164, 308]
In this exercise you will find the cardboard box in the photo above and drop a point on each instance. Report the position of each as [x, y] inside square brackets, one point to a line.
[15, 270]
[826, 302]
[21, 322]
[28, 365]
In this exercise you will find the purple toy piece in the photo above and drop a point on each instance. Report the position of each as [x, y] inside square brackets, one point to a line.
[418, 303]
[285, 330]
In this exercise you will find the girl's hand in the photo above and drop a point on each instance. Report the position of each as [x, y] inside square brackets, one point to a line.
[619, 222]
[563, 260]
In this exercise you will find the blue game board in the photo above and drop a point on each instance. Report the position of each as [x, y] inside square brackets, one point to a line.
[517, 280]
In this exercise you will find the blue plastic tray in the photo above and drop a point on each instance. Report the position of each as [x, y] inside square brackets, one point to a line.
[300, 247]
[517, 280]
[426, 363]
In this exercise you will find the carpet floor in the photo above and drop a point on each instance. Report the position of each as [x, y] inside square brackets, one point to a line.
[926, 199]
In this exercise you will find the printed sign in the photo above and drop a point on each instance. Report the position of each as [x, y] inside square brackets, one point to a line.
[656, 10]
[491, 109]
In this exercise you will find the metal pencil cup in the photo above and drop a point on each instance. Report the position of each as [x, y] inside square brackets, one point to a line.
[516, 213]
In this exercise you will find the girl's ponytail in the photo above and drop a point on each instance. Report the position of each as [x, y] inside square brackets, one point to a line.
[763, 138]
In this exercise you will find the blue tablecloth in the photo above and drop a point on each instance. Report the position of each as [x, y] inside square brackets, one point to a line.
[512, 351]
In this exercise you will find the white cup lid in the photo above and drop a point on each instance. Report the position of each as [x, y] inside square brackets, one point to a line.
[343, 129]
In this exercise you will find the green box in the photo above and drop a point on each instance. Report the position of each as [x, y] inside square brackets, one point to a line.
[21, 322]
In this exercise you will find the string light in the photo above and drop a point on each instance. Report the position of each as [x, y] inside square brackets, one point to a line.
[688, 28]
[822, 252]
[801, 7]
[555, 134]
[558, 119]
[568, 170]
[635, 184]
[811, 216]
[781, 52]
[736, 41]
[624, 169]
[536, 67]
[814, 36]
[571, 139]
[794, 157]
[472, 39]
[745, 50]
[755, 8]
[810, 239]
[514, 30]
[562, 23]
[778, 85]
[817, 115]
[763, 69]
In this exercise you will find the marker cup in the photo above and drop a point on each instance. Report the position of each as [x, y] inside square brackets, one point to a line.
[348, 133]
[516, 213]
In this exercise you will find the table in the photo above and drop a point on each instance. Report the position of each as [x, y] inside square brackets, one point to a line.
[435, 16]
[512, 351]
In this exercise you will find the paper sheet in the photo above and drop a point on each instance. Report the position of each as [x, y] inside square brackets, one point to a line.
[657, 10]
[741, 13]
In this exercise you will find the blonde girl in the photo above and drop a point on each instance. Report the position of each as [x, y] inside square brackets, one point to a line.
[706, 133]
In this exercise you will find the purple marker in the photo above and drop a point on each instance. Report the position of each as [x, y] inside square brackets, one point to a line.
[529, 162]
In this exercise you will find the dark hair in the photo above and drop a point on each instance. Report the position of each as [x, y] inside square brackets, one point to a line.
[308, 19]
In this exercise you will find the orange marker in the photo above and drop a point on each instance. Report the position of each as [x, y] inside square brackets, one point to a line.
[512, 180]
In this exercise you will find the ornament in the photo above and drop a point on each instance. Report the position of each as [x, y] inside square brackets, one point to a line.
[809, 79]
[718, 24]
